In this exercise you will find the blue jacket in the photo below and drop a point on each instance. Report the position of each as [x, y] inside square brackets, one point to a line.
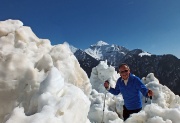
[130, 92]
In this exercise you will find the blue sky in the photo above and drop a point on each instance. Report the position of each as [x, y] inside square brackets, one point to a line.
[151, 25]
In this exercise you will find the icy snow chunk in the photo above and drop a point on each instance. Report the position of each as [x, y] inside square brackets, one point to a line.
[9, 26]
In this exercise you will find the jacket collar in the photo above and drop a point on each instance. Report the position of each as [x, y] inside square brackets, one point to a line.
[130, 77]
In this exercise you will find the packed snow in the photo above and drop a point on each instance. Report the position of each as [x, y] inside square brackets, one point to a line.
[41, 83]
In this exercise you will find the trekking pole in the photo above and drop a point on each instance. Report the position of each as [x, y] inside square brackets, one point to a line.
[151, 99]
[104, 107]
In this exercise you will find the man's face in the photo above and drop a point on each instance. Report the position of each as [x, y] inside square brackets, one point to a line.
[124, 72]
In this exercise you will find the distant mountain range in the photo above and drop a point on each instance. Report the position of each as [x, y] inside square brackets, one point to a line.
[165, 67]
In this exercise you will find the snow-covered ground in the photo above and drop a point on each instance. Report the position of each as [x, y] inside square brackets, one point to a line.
[41, 83]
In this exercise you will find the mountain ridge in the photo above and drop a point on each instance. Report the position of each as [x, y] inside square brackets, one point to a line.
[165, 67]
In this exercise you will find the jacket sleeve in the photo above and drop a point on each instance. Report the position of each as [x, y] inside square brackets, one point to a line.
[115, 90]
[140, 86]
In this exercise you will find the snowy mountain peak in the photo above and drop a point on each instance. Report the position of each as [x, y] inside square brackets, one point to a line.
[104, 51]
[100, 43]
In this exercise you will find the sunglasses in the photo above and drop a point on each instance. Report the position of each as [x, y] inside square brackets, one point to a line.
[124, 71]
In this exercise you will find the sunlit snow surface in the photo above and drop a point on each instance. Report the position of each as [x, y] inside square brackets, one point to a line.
[41, 83]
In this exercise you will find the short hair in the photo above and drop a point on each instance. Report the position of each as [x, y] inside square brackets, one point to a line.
[123, 64]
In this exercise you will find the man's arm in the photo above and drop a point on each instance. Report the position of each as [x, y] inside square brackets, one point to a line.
[140, 86]
[115, 90]
[146, 92]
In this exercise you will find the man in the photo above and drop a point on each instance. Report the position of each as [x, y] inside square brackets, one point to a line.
[130, 87]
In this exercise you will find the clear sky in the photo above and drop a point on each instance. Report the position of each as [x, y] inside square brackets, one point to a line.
[151, 25]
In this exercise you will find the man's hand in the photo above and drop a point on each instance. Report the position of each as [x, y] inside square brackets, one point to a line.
[150, 93]
[106, 85]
